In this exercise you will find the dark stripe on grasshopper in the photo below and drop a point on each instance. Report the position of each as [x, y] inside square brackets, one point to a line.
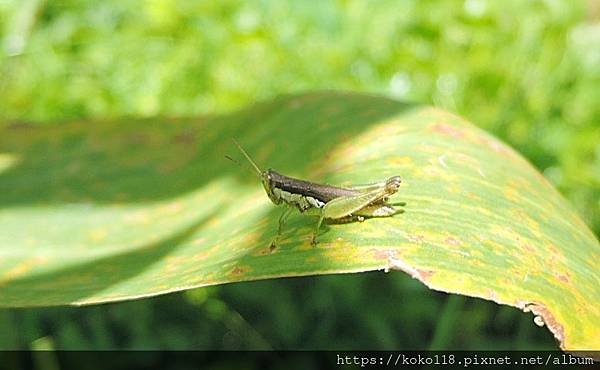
[324, 193]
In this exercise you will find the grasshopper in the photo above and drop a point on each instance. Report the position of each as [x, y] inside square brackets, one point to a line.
[332, 202]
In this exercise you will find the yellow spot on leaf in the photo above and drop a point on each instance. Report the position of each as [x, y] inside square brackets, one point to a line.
[98, 235]
[22, 268]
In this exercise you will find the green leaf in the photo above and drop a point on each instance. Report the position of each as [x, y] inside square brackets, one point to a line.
[95, 212]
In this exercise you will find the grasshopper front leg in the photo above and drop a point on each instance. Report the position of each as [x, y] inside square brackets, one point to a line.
[284, 215]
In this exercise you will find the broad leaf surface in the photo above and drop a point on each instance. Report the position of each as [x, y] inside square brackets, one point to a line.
[94, 212]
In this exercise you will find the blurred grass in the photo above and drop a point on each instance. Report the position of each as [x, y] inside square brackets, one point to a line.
[530, 75]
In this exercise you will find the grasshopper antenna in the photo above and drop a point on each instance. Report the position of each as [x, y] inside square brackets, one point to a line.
[238, 163]
[233, 160]
[258, 171]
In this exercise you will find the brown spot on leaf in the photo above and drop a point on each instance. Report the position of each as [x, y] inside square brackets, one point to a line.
[416, 238]
[200, 256]
[447, 130]
[493, 144]
[453, 241]
[395, 263]
[563, 278]
[199, 241]
[425, 274]
[472, 195]
[528, 247]
[383, 254]
[239, 270]
[492, 295]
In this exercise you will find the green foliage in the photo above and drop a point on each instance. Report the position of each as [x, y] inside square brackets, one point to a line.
[531, 76]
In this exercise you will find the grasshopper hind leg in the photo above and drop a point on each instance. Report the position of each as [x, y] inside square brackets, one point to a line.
[378, 210]
[370, 211]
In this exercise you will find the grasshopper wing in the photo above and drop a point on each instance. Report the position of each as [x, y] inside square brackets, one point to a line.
[345, 206]
[367, 188]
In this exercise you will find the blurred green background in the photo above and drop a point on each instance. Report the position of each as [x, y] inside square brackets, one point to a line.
[527, 71]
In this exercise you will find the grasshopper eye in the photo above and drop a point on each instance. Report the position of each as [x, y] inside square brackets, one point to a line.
[267, 178]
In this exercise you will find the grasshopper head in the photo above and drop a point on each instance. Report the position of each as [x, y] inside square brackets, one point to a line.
[392, 185]
[266, 177]
[267, 181]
